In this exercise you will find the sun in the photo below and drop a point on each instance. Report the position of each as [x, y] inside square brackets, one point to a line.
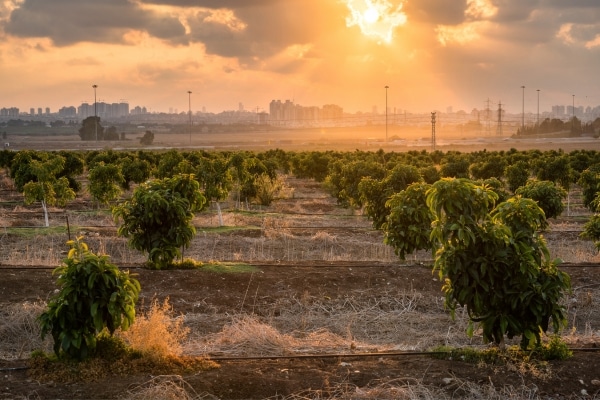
[371, 15]
[376, 18]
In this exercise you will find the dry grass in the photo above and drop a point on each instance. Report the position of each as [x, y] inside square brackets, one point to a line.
[19, 330]
[412, 389]
[165, 387]
[247, 335]
[157, 332]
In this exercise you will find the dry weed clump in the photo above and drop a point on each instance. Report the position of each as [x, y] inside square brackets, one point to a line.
[19, 330]
[166, 387]
[157, 333]
[246, 335]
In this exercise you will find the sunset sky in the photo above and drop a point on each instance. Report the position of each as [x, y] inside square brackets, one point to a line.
[431, 53]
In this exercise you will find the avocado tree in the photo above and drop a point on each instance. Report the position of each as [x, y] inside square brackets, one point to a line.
[158, 218]
[374, 193]
[106, 181]
[45, 186]
[93, 295]
[495, 264]
[547, 195]
[408, 225]
[216, 181]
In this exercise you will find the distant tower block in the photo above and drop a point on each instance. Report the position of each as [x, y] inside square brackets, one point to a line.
[499, 126]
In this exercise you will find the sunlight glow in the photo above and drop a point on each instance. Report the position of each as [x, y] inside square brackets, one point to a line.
[375, 18]
[481, 9]
[460, 34]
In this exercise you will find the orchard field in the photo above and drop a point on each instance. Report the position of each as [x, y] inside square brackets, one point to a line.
[302, 299]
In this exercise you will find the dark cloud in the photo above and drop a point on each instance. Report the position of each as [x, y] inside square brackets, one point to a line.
[215, 4]
[67, 22]
[271, 26]
[436, 11]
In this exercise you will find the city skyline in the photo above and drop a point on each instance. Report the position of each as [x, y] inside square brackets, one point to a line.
[431, 54]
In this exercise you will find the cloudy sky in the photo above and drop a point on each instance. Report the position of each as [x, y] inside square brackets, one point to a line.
[431, 53]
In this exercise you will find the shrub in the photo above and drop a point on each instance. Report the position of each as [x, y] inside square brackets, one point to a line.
[94, 295]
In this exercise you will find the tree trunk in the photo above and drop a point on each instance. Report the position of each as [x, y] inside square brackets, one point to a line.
[45, 208]
[219, 213]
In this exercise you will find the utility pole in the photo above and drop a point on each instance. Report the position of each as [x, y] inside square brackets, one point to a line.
[95, 112]
[523, 112]
[488, 119]
[190, 113]
[433, 131]
[499, 126]
[538, 111]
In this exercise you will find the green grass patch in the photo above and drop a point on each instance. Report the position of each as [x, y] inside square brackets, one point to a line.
[228, 267]
[212, 266]
[38, 231]
[226, 229]
[554, 349]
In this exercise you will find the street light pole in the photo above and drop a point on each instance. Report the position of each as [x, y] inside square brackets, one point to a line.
[573, 117]
[538, 111]
[95, 112]
[523, 112]
[190, 112]
[386, 114]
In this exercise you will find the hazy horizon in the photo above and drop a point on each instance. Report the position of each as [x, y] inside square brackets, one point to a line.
[432, 54]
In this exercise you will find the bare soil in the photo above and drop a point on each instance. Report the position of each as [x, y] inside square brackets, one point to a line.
[259, 379]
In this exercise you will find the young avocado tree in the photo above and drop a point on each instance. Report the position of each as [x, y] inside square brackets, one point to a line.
[45, 185]
[408, 225]
[106, 181]
[216, 181]
[158, 218]
[547, 194]
[495, 264]
[94, 295]
[374, 193]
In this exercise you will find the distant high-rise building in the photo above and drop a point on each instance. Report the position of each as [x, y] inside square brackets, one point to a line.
[67, 112]
[47, 110]
[32, 111]
[558, 111]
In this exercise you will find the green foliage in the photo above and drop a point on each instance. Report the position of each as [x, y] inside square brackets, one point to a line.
[374, 194]
[45, 186]
[91, 129]
[157, 219]
[94, 295]
[555, 168]
[589, 180]
[494, 263]
[455, 166]
[168, 163]
[105, 182]
[591, 229]
[147, 139]
[492, 167]
[430, 174]
[548, 196]
[134, 170]
[408, 225]
[517, 175]
[345, 177]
